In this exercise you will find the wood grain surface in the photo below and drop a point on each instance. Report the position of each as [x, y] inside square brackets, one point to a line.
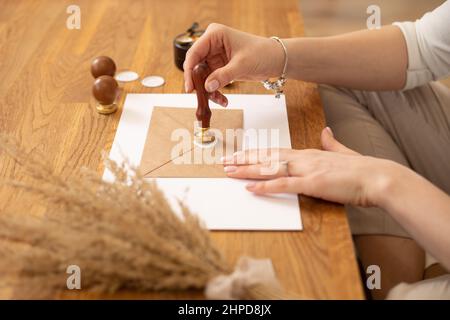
[46, 104]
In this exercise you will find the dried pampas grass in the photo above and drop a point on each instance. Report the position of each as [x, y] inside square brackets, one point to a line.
[123, 236]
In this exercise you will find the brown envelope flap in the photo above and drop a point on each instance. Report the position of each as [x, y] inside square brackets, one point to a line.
[169, 150]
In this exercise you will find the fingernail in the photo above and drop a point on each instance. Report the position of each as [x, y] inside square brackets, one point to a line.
[212, 85]
[229, 169]
[185, 87]
[238, 154]
[227, 159]
[251, 185]
[329, 131]
[223, 102]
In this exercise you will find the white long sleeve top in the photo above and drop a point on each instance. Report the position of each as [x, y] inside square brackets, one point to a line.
[428, 43]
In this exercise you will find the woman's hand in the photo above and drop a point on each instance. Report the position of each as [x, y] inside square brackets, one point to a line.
[336, 173]
[232, 55]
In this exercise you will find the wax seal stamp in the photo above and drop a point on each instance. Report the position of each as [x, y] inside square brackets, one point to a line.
[103, 66]
[105, 90]
[202, 134]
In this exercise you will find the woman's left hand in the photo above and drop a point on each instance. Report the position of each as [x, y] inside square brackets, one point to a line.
[336, 173]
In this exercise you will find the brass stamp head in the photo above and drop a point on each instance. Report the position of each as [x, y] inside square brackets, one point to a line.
[106, 108]
[204, 138]
[203, 135]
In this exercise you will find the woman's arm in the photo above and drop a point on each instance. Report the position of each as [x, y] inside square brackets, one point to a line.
[366, 60]
[421, 208]
[341, 175]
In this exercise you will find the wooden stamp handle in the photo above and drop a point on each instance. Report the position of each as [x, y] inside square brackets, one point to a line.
[199, 75]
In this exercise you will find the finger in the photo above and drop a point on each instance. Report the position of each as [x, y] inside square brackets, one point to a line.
[188, 65]
[329, 143]
[219, 98]
[280, 185]
[220, 77]
[196, 54]
[264, 155]
[257, 171]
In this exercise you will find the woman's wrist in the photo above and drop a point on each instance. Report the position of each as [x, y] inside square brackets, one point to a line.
[275, 58]
[390, 183]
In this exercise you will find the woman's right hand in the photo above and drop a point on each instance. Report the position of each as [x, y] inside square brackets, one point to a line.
[232, 55]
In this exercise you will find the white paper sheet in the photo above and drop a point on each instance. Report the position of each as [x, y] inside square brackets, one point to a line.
[222, 203]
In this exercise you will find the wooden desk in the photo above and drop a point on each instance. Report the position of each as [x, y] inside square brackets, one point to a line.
[46, 103]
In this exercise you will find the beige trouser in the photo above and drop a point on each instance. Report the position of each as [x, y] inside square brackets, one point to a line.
[410, 127]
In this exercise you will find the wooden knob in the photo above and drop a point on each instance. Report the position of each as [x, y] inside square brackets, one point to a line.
[105, 90]
[102, 66]
[199, 75]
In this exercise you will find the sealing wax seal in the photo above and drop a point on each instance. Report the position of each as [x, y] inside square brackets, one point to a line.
[199, 75]
[103, 65]
[105, 90]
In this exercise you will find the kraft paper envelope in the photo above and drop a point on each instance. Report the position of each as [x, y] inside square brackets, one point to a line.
[169, 150]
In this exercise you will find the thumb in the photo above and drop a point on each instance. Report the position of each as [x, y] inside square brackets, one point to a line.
[219, 78]
[329, 143]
